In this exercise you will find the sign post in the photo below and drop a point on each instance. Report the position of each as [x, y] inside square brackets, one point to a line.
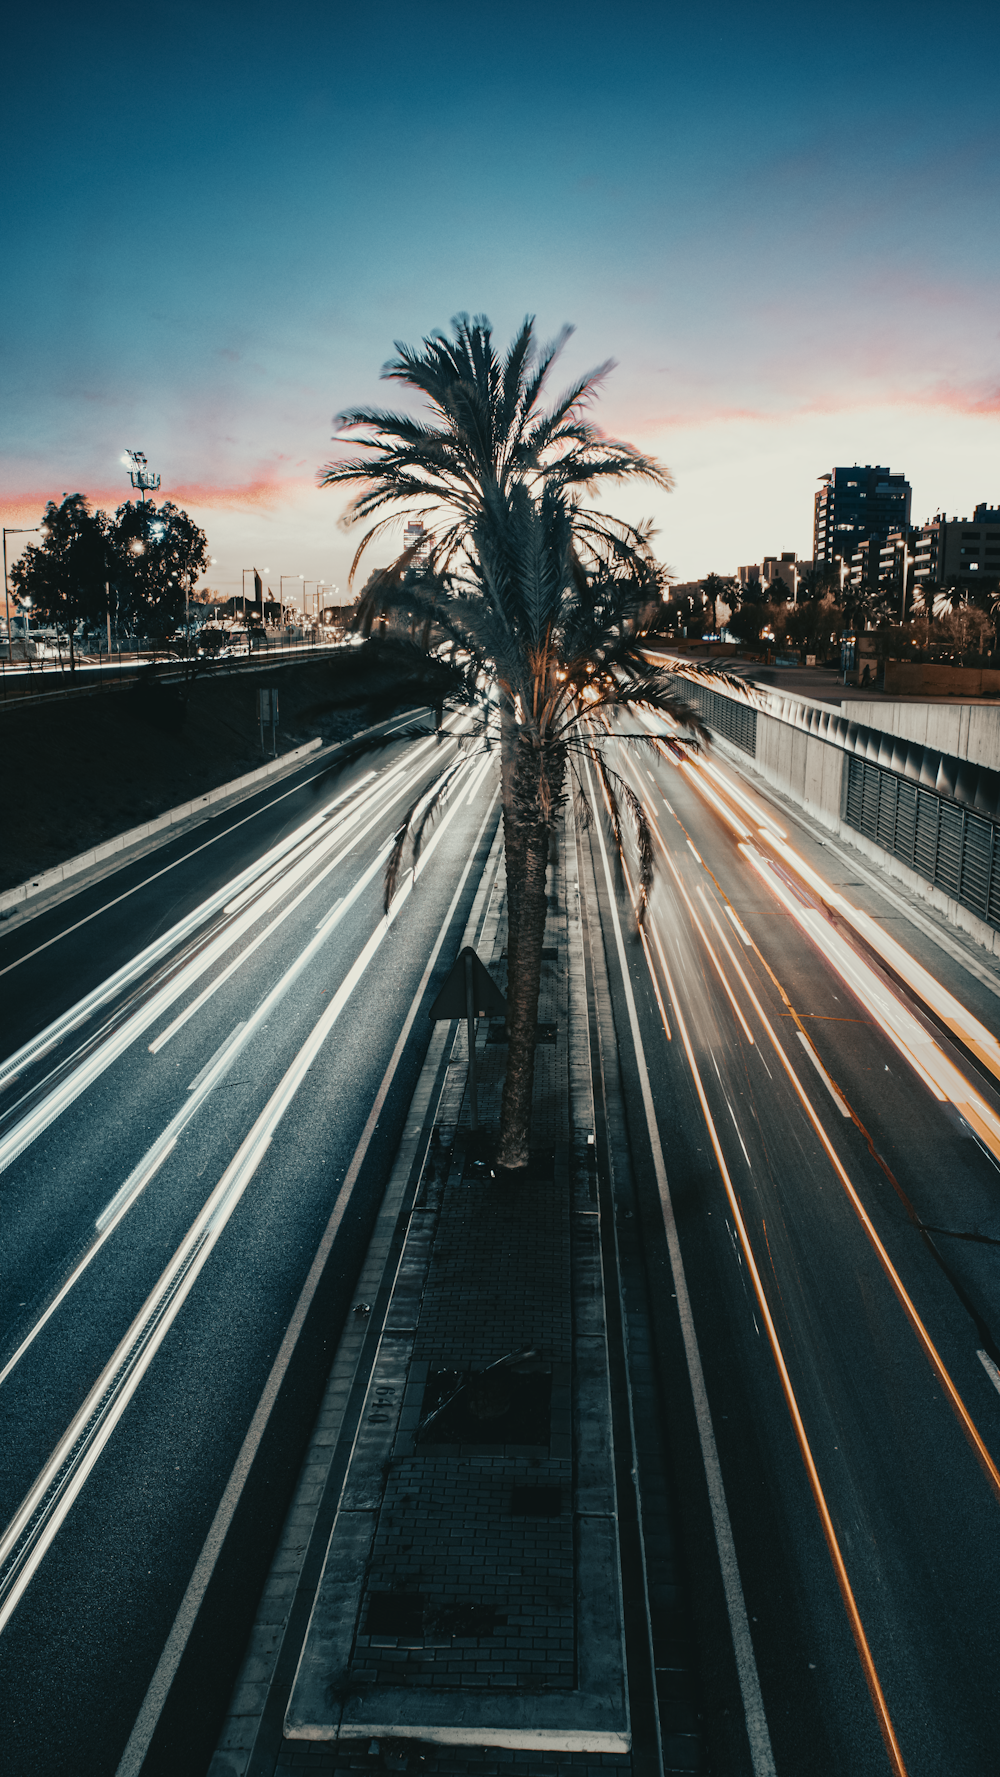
[267, 711]
[470, 993]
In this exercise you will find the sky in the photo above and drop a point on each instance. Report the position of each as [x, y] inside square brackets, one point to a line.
[780, 221]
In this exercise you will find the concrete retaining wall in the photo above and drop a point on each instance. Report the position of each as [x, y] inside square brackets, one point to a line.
[966, 730]
[811, 772]
[905, 677]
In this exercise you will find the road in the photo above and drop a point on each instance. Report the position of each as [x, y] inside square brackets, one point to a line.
[207, 1061]
[828, 1155]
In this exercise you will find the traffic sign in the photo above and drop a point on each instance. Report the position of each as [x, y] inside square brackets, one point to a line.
[470, 992]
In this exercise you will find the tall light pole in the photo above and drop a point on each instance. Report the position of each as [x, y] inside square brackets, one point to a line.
[13, 530]
[141, 475]
[281, 588]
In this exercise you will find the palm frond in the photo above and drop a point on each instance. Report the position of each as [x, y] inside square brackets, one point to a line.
[617, 792]
[428, 805]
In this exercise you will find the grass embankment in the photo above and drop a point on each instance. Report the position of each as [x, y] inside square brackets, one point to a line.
[80, 771]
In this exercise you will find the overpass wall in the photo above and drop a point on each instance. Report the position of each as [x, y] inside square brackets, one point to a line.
[927, 816]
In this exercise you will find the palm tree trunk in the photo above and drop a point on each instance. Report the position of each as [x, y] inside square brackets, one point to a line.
[527, 829]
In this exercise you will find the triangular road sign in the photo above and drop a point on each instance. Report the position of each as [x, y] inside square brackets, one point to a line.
[451, 1002]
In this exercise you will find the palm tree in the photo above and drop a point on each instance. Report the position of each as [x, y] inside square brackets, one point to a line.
[546, 603]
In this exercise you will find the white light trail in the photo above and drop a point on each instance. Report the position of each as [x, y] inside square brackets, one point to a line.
[32, 1530]
[53, 1104]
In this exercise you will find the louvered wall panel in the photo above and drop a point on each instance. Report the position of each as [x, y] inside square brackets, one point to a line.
[906, 819]
[887, 810]
[977, 859]
[951, 828]
[855, 791]
[925, 843]
[869, 803]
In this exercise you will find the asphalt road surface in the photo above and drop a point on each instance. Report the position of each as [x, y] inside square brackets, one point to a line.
[208, 1061]
[829, 1157]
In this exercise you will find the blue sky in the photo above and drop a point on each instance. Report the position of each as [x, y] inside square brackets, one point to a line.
[779, 220]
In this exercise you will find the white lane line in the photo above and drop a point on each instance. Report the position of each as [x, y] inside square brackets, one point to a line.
[990, 1367]
[153, 953]
[263, 866]
[220, 1051]
[746, 1664]
[837, 1096]
[200, 1088]
[743, 934]
[930, 1350]
[173, 1652]
[274, 895]
[106, 906]
[876, 1692]
[32, 1530]
[38, 1119]
[205, 1082]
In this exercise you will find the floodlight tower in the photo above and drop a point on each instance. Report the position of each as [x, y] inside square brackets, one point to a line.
[141, 475]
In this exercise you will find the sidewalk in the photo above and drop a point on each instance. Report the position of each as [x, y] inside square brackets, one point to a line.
[447, 1595]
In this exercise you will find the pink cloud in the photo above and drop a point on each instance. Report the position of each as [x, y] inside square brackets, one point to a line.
[262, 493]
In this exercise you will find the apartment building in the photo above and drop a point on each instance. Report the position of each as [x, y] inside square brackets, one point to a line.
[854, 504]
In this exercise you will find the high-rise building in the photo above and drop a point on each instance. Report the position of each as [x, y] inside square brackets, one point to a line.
[416, 538]
[856, 504]
[958, 551]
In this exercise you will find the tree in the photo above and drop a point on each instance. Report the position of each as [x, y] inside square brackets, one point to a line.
[820, 581]
[547, 603]
[720, 590]
[158, 555]
[748, 619]
[65, 576]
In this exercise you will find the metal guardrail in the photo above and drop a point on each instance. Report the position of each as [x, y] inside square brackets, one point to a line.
[40, 680]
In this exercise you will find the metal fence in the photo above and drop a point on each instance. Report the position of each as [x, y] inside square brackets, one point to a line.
[943, 841]
[735, 720]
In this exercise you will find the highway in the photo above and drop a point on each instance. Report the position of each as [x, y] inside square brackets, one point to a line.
[817, 1154]
[207, 1058]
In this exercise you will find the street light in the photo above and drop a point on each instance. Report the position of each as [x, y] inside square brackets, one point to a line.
[281, 587]
[140, 475]
[14, 530]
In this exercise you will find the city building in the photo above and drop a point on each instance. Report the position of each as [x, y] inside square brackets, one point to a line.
[959, 552]
[855, 504]
[415, 537]
[777, 576]
[863, 578]
[895, 570]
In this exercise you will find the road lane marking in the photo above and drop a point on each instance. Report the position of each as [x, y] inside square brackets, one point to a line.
[32, 1530]
[274, 895]
[742, 933]
[146, 1721]
[923, 1336]
[220, 1051]
[834, 1091]
[106, 906]
[843, 1580]
[206, 1082]
[153, 953]
[45, 1112]
[201, 1086]
[746, 1665]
